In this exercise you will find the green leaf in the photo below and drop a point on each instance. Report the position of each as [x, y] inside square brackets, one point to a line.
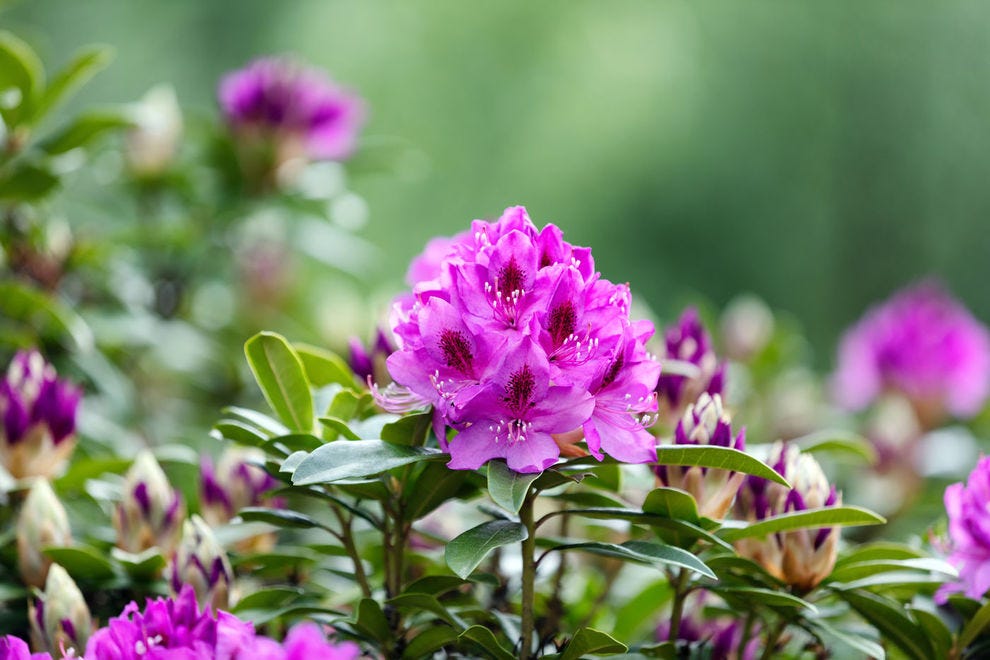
[84, 129]
[465, 552]
[836, 639]
[44, 313]
[641, 612]
[286, 444]
[724, 458]
[409, 429]
[86, 64]
[672, 503]
[974, 626]
[351, 459]
[427, 603]
[141, 566]
[280, 375]
[642, 552]
[840, 442]
[848, 516]
[878, 551]
[20, 69]
[435, 585]
[507, 487]
[938, 633]
[680, 528]
[10, 592]
[433, 486]
[892, 621]
[324, 367]
[484, 641]
[279, 518]
[28, 183]
[426, 643]
[271, 598]
[371, 620]
[340, 427]
[82, 563]
[752, 596]
[590, 641]
[857, 570]
[238, 432]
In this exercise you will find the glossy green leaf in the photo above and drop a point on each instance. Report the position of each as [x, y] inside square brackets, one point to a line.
[435, 585]
[837, 442]
[507, 487]
[848, 641]
[82, 563]
[238, 432]
[324, 367]
[484, 641]
[892, 621]
[858, 570]
[724, 458]
[672, 503]
[642, 552]
[280, 375]
[427, 603]
[881, 550]
[465, 552]
[84, 129]
[409, 429]
[27, 183]
[143, 565]
[280, 518]
[433, 486]
[268, 598]
[351, 459]
[339, 427]
[21, 70]
[86, 64]
[371, 620]
[848, 516]
[975, 626]
[293, 442]
[938, 633]
[260, 421]
[590, 641]
[426, 643]
[753, 596]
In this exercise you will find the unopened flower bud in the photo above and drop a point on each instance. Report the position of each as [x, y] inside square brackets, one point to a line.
[153, 142]
[42, 523]
[689, 343]
[60, 619]
[705, 423]
[370, 362]
[201, 563]
[236, 482]
[804, 557]
[747, 327]
[151, 512]
[37, 418]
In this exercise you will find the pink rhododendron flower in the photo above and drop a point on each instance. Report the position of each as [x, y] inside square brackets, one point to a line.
[516, 342]
[969, 533]
[923, 344]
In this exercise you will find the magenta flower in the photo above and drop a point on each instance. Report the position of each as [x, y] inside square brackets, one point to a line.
[296, 107]
[37, 417]
[305, 641]
[370, 362]
[688, 341]
[15, 648]
[923, 344]
[969, 533]
[519, 345]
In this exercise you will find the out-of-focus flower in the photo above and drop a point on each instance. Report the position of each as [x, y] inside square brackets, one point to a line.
[720, 637]
[969, 533]
[60, 619]
[282, 112]
[706, 423]
[688, 342]
[370, 362]
[802, 558]
[42, 523]
[304, 642]
[153, 142]
[923, 344]
[201, 563]
[746, 327]
[38, 413]
[235, 483]
[151, 512]
[516, 341]
[15, 648]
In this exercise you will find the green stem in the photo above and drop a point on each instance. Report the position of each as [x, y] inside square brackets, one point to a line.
[677, 609]
[528, 577]
[347, 540]
[747, 631]
[772, 638]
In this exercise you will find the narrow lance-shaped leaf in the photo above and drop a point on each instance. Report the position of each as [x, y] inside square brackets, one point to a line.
[588, 641]
[642, 552]
[351, 459]
[280, 375]
[711, 456]
[847, 516]
[86, 64]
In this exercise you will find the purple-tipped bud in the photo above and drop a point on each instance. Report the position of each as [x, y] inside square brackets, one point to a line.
[802, 558]
[236, 482]
[688, 342]
[705, 422]
[42, 523]
[60, 619]
[201, 563]
[370, 363]
[37, 418]
[714, 637]
[151, 512]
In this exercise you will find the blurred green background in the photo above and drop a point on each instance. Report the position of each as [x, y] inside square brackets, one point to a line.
[817, 154]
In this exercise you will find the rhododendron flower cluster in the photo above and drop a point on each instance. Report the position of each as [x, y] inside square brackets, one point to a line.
[178, 628]
[969, 532]
[923, 344]
[514, 339]
[804, 557]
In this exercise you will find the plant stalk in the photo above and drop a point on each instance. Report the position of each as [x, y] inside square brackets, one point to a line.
[528, 577]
